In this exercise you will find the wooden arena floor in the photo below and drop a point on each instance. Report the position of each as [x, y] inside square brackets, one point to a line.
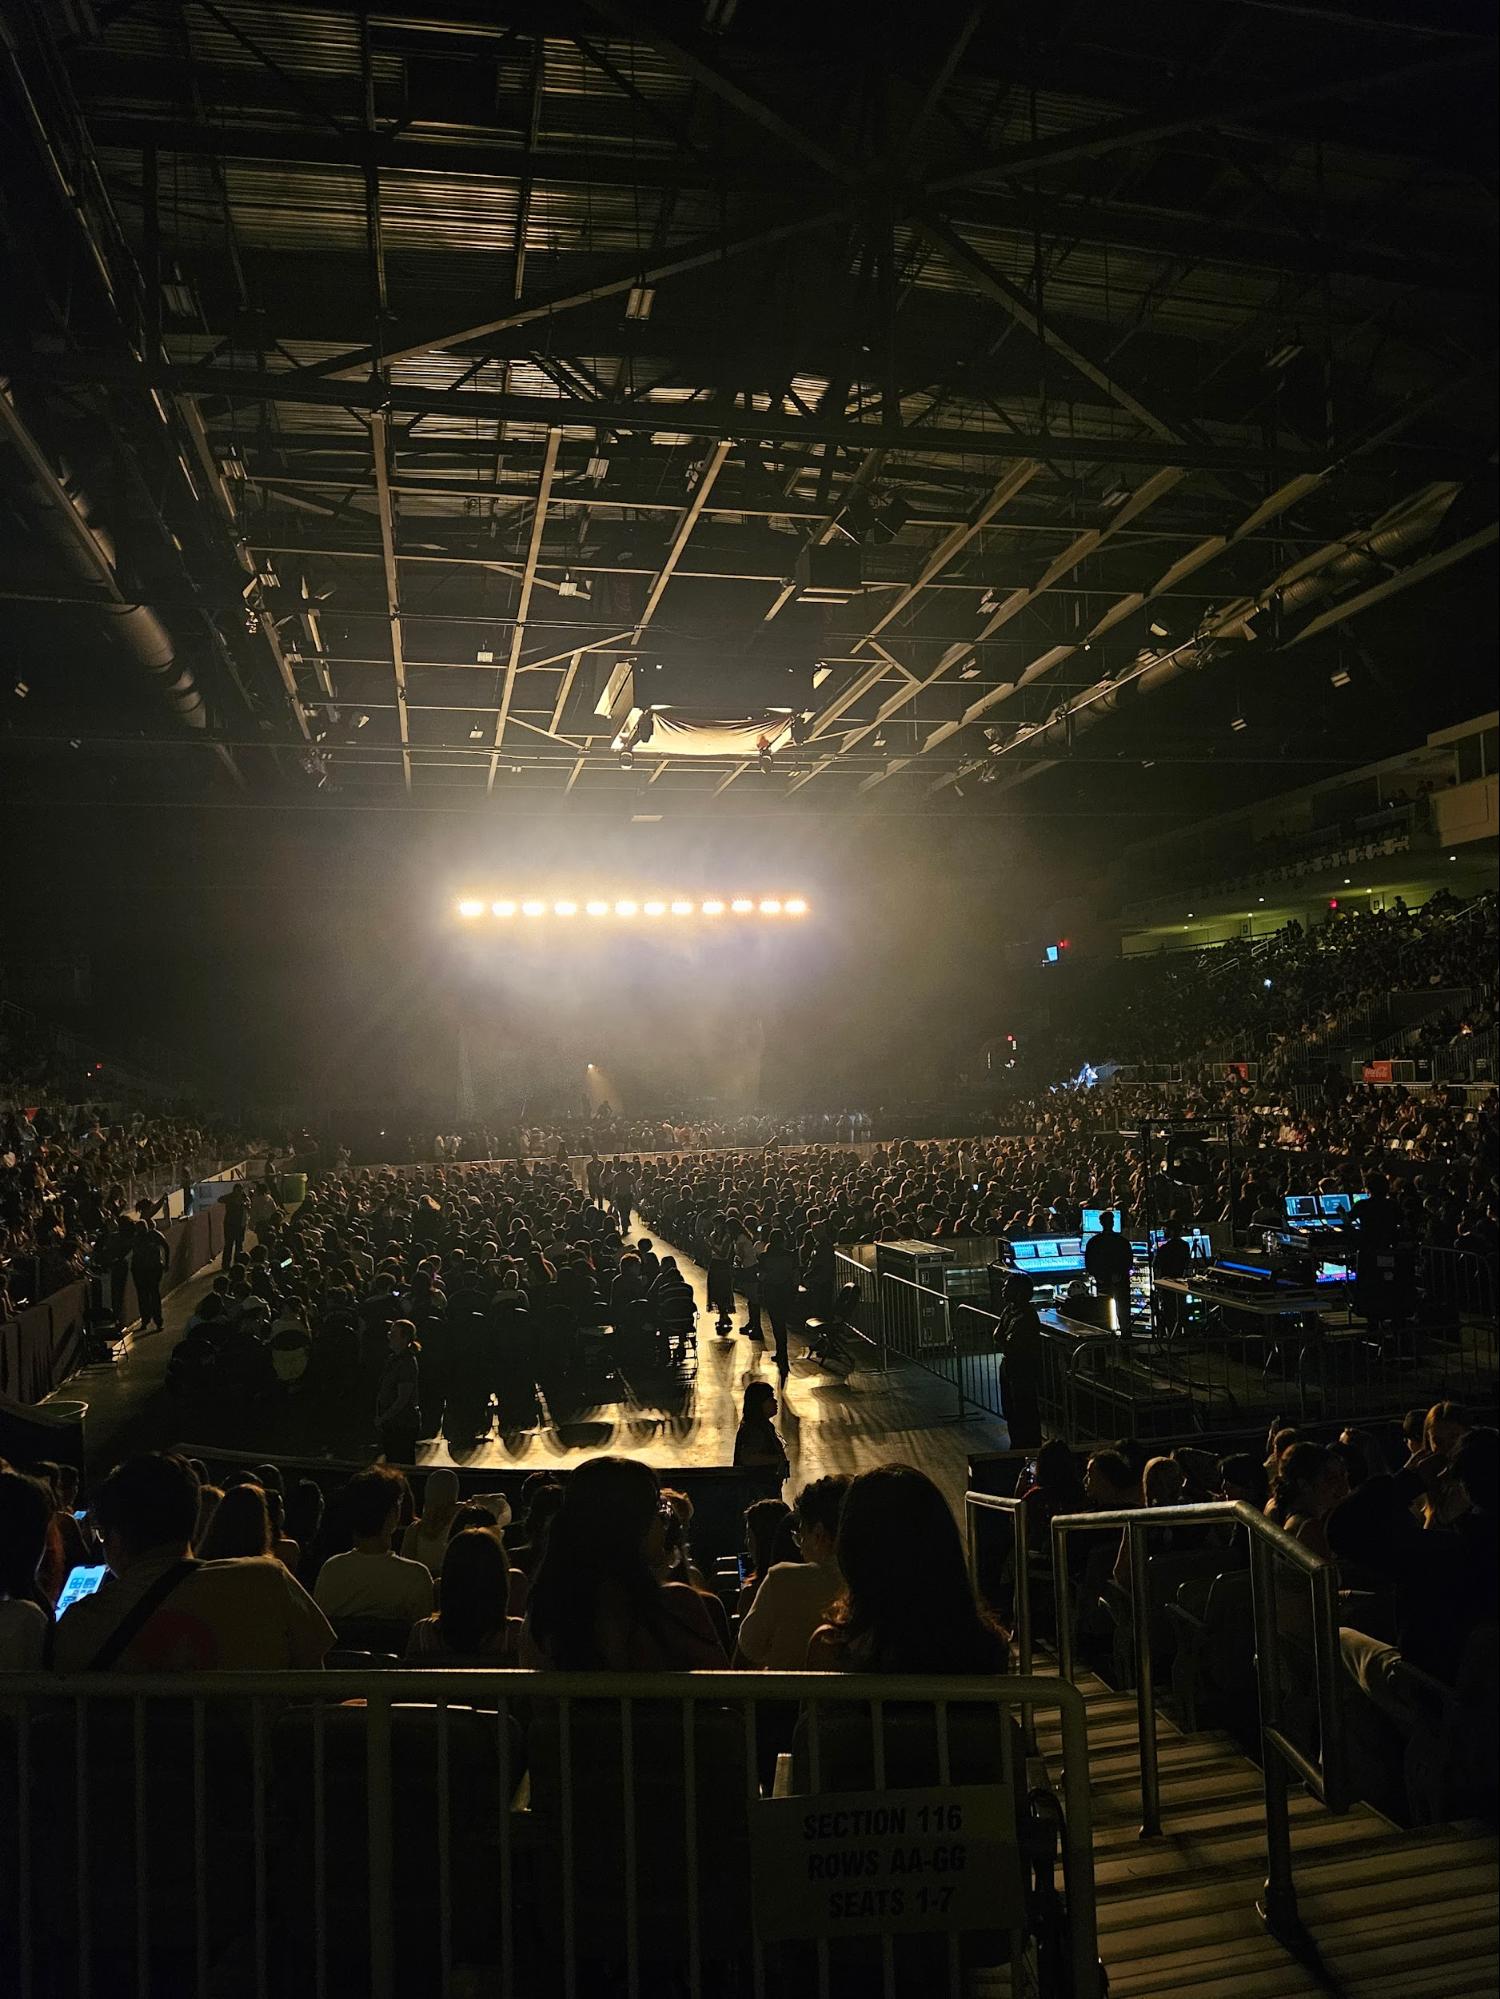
[827, 1425]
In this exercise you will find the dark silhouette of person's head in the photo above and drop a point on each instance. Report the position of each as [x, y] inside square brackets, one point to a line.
[908, 1604]
[475, 1590]
[146, 1504]
[372, 1502]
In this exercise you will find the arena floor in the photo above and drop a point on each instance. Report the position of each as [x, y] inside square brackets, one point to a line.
[827, 1425]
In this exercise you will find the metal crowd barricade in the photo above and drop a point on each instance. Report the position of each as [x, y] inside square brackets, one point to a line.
[869, 1320]
[1272, 1554]
[410, 1832]
[976, 1503]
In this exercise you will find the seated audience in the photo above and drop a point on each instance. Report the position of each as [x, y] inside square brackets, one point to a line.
[371, 1581]
[795, 1598]
[472, 1627]
[241, 1526]
[596, 1603]
[907, 1605]
[159, 1610]
[763, 1521]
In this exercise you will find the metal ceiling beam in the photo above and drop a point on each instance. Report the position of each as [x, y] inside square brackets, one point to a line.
[1206, 551]
[523, 607]
[994, 284]
[570, 674]
[223, 501]
[712, 467]
[713, 79]
[296, 386]
[380, 448]
[1093, 141]
[1015, 479]
[1152, 229]
[702, 252]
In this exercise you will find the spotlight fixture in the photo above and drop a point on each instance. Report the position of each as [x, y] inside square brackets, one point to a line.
[361, 720]
[654, 908]
[533, 909]
[625, 909]
[597, 469]
[485, 656]
[476, 734]
[639, 300]
[468, 909]
[503, 908]
[820, 674]
[764, 763]
[597, 908]
[770, 907]
[681, 908]
[969, 672]
[796, 907]
[627, 760]
[1158, 630]
[742, 905]
[712, 909]
[565, 909]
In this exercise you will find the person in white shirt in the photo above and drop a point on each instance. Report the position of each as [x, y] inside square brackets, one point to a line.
[371, 1581]
[795, 1598]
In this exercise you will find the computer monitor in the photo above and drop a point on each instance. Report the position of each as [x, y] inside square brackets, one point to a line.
[1093, 1224]
[1302, 1208]
[1333, 1273]
[1334, 1207]
[1070, 1249]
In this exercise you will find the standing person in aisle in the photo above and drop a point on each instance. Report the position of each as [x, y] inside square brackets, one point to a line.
[150, 1253]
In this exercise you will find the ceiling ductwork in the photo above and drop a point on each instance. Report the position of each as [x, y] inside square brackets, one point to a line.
[66, 515]
[1336, 570]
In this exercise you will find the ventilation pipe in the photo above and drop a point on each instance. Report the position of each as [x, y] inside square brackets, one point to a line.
[1332, 570]
[65, 514]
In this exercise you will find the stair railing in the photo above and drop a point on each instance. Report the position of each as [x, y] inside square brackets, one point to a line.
[1287, 1582]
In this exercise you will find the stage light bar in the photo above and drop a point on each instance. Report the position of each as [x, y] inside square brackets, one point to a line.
[471, 908]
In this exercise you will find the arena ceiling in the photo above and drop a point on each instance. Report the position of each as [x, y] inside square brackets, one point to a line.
[385, 381]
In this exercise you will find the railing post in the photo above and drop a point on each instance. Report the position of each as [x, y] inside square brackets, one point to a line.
[381, 1826]
[1330, 1671]
[1145, 1708]
[1062, 1601]
[1022, 1588]
[1278, 1903]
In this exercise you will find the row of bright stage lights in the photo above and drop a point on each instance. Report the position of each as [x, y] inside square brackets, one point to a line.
[471, 908]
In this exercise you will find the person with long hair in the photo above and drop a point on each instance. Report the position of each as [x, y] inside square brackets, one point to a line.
[25, 1612]
[1056, 1487]
[1161, 1485]
[758, 1449]
[596, 1603]
[908, 1605]
[762, 1519]
[241, 1526]
[471, 1626]
[1308, 1483]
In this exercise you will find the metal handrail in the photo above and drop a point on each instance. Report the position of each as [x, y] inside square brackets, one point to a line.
[504, 1693]
[1281, 1757]
[995, 1502]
